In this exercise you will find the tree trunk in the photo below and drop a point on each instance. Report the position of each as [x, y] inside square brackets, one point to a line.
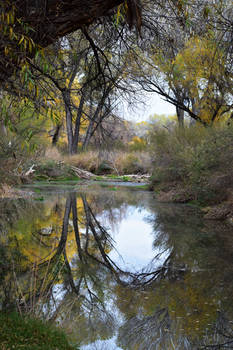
[56, 135]
[63, 239]
[88, 135]
[94, 119]
[69, 126]
[180, 116]
[78, 124]
[194, 110]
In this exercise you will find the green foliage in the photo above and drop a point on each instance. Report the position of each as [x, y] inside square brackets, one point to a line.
[200, 68]
[25, 333]
[39, 198]
[193, 156]
[125, 178]
[113, 188]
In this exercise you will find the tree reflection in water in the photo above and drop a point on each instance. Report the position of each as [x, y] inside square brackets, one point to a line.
[58, 266]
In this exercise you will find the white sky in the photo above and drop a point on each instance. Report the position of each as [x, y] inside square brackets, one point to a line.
[159, 106]
[153, 105]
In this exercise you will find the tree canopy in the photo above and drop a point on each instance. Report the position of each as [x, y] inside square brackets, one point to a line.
[42, 22]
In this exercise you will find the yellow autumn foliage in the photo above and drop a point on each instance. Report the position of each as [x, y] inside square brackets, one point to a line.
[137, 143]
[198, 68]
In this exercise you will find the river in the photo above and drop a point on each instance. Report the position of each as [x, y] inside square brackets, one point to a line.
[116, 269]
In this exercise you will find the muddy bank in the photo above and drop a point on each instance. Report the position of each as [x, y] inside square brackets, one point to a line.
[214, 197]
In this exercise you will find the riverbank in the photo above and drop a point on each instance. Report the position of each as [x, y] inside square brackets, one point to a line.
[31, 190]
[221, 209]
[195, 166]
[218, 203]
[57, 170]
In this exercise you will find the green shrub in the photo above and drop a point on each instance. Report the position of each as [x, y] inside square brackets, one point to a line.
[193, 156]
[15, 158]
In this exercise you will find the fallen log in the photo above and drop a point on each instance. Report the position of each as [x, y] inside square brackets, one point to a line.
[83, 174]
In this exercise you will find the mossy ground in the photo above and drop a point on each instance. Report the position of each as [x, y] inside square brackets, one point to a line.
[25, 333]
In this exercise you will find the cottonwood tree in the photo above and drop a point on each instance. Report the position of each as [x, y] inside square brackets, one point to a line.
[188, 84]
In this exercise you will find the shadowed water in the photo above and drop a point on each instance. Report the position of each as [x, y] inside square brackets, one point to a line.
[118, 270]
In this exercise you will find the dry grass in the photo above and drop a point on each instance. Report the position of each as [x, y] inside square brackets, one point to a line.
[52, 153]
[133, 162]
[104, 161]
[89, 160]
[114, 162]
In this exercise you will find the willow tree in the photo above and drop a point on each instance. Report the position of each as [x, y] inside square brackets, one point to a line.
[27, 26]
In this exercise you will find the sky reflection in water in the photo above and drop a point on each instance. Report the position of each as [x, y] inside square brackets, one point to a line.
[134, 241]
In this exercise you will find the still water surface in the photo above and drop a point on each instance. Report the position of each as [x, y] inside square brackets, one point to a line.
[118, 270]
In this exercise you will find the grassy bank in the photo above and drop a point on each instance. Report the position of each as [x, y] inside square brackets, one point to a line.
[51, 165]
[54, 166]
[24, 333]
[106, 162]
[195, 165]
